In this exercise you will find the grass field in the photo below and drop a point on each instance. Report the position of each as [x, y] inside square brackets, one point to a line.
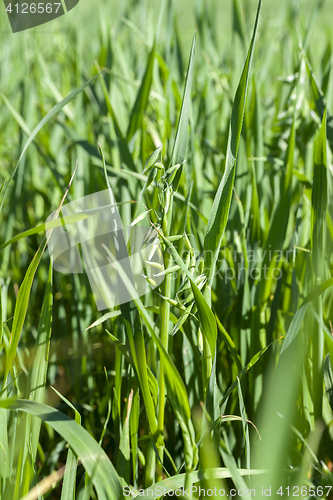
[209, 122]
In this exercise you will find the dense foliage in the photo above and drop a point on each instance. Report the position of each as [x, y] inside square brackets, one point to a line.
[220, 376]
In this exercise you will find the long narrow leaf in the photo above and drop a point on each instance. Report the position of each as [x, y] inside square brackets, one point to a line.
[221, 206]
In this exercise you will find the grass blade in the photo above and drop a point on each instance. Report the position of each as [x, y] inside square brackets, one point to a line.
[22, 300]
[221, 206]
[142, 98]
[180, 145]
[97, 464]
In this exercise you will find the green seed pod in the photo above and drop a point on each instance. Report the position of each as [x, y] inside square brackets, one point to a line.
[170, 174]
[173, 302]
[155, 265]
[200, 340]
[151, 177]
[170, 270]
[152, 159]
[150, 281]
[176, 237]
[140, 217]
[159, 165]
[201, 265]
[187, 241]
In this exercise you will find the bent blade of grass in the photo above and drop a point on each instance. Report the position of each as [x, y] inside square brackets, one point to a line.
[105, 317]
[99, 467]
[176, 482]
[68, 219]
[222, 419]
[221, 206]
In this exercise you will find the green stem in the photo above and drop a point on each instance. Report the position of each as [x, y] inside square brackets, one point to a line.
[138, 352]
[207, 360]
[164, 329]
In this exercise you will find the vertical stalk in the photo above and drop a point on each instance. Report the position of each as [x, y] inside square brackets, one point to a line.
[164, 328]
[138, 353]
[207, 363]
[207, 360]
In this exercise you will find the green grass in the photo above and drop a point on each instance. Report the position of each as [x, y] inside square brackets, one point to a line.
[221, 376]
